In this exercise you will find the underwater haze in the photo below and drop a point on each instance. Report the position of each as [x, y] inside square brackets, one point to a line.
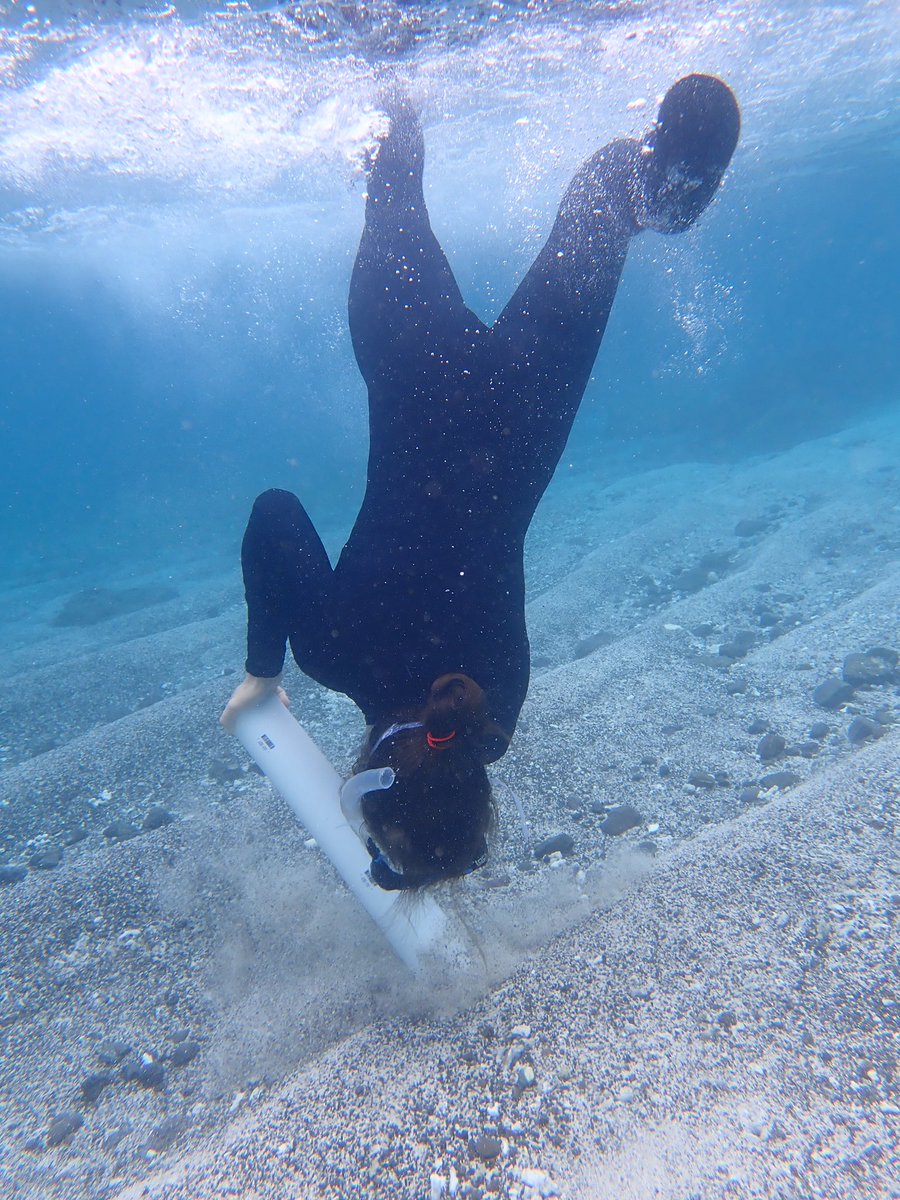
[702, 982]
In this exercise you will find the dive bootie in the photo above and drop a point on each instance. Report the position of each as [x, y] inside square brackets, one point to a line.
[685, 153]
[396, 169]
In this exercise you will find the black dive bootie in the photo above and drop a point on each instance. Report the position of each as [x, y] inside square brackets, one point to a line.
[684, 155]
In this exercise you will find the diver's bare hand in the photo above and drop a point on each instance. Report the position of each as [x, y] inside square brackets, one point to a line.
[251, 691]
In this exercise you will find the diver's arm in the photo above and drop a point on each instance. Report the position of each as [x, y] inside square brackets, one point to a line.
[252, 690]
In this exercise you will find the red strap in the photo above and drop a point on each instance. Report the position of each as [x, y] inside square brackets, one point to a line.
[439, 743]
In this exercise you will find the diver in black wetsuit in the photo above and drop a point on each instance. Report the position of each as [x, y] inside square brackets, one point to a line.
[422, 621]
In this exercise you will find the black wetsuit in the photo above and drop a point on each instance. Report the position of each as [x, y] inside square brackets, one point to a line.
[467, 424]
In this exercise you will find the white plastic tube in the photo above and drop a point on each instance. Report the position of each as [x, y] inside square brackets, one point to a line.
[286, 753]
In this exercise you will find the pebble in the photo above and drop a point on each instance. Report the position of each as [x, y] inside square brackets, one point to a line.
[149, 1074]
[120, 831]
[558, 843]
[184, 1053]
[779, 779]
[621, 819]
[112, 1052]
[485, 1146]
[93, 1085]
[771, 746]
[163, 1135]
[156, 818]
[875, 666]
[861, 729]
[12, 873]
[832, 693]
[701, 779]
[46, 858]
[63, 1126]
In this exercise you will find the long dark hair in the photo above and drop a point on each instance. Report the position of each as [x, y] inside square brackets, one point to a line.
[434, 819]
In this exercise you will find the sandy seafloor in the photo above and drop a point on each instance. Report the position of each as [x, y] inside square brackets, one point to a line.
[703, 1006]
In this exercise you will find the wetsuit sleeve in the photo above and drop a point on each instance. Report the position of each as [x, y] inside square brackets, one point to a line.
[287, 578]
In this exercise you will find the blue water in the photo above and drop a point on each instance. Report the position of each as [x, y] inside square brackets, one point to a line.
[181, 194]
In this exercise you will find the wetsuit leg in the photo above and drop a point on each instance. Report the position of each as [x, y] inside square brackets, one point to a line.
[547, 337]
[287, 580]
[407, 315]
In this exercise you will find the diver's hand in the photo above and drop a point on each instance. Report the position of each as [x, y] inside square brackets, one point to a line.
[253, 690]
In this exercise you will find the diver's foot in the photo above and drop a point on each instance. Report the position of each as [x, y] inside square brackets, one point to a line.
[396, 168]
[685, 154]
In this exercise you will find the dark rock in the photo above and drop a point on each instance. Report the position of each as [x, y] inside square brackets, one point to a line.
[727, 1019]
[12, 873]
[620, 820]
[148, 1074]
[223, 772]
[832, 693]
[63, 1126]
[771, 746]
[156, 817]
[861, 729]
[736, 687]
[722, 778]
[703, 630]
[74, 835]
[758, 726]
[868, 669]
[485, 1146]
[115, 1136]
[184, 1053]
[668, 730]
[808, 749]
[162, 1136]
[120, 831]
[720, 662]
[664, 771]
[701, 779]
[592, 642]
[748, 795]
[93, 605]
[819, 730]
[751, 526]
[779, 779]
[890, 656]
[93, 1085]
[111, 1053]
[768, 619]
[648, 847]
[563, 843]
[46, 858]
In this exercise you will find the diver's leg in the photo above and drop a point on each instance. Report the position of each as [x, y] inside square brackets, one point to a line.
[406, 310]
[547, 337]
[287, 582]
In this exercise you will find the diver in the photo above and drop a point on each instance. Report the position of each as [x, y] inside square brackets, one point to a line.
[422, 621]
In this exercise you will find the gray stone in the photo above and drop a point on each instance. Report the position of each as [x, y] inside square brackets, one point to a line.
[12, 873]
[621, 819]
[485, 1146]
[163, 1135]
[758, 726]
[120, 831]
[184, 1053]
[861, 729]
[63, 1126]
[563, 843]
[148, 1074]
[832, 693]
[157, 817]
[779, 779]
[46, 858]
[771, 746]
[819, 730]
[868, 669]
[701, 779]
[93, 1085]
[112, 1052]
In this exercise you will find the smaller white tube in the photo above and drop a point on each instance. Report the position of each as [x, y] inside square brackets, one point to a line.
[376, 779]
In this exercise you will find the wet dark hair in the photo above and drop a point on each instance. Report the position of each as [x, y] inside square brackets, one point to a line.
[434, 819]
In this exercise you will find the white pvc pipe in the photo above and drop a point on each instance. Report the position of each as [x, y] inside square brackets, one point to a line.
[286, 753]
